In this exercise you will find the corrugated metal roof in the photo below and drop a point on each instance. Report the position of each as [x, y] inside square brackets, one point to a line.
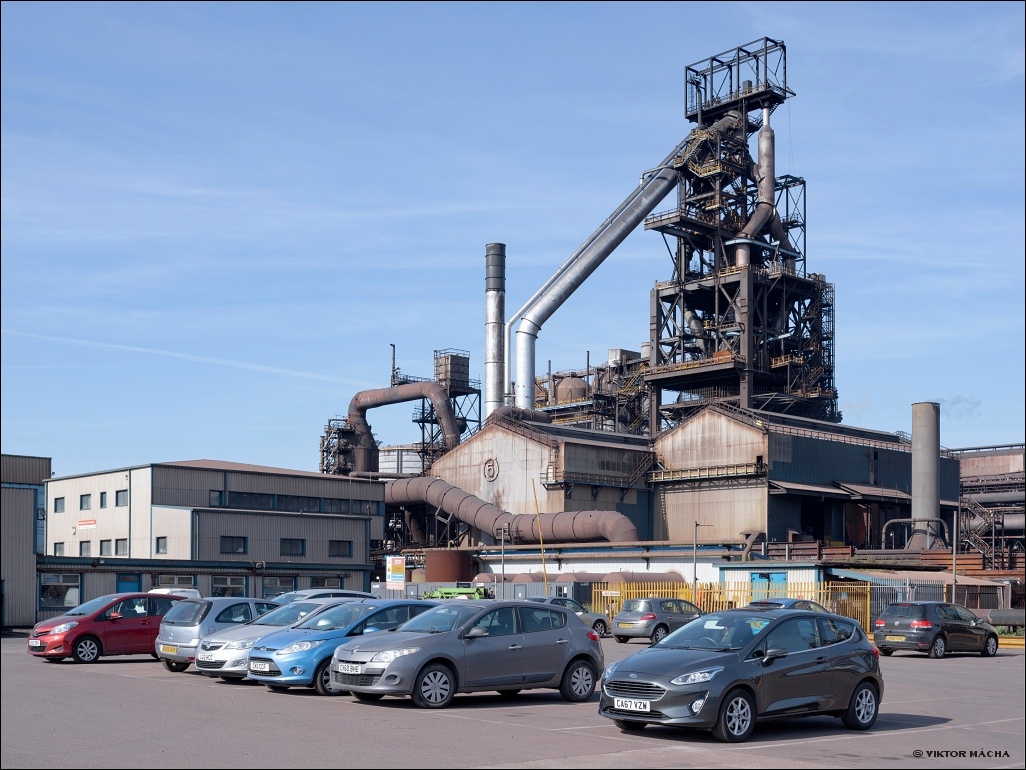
[868, 490]
[224, 465]
[784, 487]
[889, 577]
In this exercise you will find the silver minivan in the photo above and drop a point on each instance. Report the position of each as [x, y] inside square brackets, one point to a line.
[191, 619]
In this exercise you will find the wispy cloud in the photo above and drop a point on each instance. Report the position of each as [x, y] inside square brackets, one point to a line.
[189, 357]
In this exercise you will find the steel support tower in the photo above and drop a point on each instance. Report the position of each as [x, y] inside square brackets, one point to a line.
[741, 320]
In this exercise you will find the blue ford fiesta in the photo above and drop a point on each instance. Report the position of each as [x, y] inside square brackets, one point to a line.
[300, 656]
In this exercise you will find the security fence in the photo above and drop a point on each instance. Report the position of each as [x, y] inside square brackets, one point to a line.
[861, 601]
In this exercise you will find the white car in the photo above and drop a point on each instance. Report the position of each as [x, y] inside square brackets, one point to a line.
[226, 653]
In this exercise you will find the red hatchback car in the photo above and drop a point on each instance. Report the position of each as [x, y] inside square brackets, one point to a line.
[116, 624]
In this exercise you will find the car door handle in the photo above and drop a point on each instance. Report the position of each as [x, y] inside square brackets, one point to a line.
[516, 647]
[562, 641]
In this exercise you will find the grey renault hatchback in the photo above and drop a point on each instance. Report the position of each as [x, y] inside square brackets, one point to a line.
[185, 624]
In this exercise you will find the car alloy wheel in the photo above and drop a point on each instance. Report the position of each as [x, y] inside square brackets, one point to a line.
[737, 717]
[861, 713]
[599, 627]
[990, 647]
[322, 683]
[659, 634]
[938, 647]
[86, 650]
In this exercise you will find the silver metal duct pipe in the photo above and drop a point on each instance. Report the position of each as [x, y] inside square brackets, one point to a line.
[365, 456]
[599, 231]
[636, 208]
[765, 176]
[563, 527]
[925, 473]
[495, 314]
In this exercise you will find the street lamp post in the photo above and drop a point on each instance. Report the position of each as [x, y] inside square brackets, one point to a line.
[694, 563]
[502, 533]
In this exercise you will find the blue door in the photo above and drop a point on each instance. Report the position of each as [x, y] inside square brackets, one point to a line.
[129, 582]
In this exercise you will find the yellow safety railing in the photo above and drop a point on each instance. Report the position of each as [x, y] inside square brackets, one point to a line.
[850, 600]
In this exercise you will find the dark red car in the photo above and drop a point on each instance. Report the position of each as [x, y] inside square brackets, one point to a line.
[116, 624]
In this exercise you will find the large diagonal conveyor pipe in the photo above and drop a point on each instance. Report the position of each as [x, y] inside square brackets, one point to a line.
[583, 262]
[365, 456]
[562, 527]
[644, 195]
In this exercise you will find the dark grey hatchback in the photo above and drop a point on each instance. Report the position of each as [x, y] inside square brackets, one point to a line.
[726, 670]
[935, 628]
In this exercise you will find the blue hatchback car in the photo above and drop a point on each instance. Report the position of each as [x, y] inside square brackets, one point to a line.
[300, 656]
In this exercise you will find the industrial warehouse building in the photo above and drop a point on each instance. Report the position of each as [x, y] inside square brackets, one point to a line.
[220, 527]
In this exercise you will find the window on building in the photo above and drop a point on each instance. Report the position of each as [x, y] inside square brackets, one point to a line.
[103, 499]
[325, 582]
[293, 546]
[272, 586]
[230, 544]
[161, 545]
[334, 505]
[121, 498]
[227, 586]
[85, 548]
[297, 503]
[106, 548]
[85, 502]
[58, 549]
[59, 591]
[340, 548]
[216, 498]
[176, 581]
[121, 546]
[253, 500]
[58, 505]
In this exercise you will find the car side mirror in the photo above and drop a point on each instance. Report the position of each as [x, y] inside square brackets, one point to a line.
[115, 616]
[772, 654]
[371, 630]
[476, 632]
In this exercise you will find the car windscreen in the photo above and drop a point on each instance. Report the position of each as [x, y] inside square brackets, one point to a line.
[717, 631]
[186, 613]
[92, 605]
[444, 617]
[340, 616]
[291, 613]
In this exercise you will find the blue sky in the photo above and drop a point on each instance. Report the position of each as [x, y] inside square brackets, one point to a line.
[217, 218]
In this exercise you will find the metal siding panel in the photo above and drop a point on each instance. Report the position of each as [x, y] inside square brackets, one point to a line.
[519, 460]
[22, 469]
[264, 531]
[176, 525]
[17, 556]
[185, 486]
[711, 439]
[725, 512]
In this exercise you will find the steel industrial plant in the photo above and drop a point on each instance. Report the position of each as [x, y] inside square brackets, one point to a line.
[723, 428]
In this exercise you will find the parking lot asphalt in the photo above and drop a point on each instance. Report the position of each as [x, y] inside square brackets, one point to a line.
[963, 711]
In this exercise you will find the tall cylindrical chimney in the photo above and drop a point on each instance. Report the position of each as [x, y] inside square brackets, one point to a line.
[495, 315]
[925, 473]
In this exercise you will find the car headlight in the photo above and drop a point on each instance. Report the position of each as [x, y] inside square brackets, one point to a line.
[697, 677]
[387, 656]
[299, 647]
[241, 644]
[63, 627]
[609, 670]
